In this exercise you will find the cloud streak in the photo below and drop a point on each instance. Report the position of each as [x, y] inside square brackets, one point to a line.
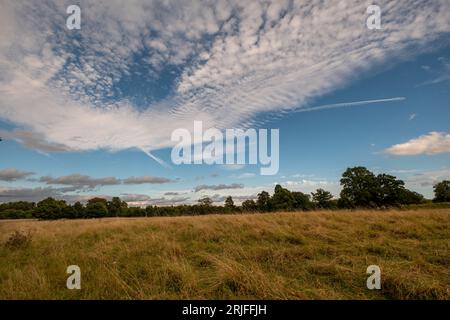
[87, 182]
[80, 181]
[12, 174]
[218, 187]
[146, 179]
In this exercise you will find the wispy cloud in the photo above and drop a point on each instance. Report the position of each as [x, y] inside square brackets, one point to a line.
[245, 175]
[439, 75]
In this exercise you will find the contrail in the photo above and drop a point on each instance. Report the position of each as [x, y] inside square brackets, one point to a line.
[160, 161]
[349, 104]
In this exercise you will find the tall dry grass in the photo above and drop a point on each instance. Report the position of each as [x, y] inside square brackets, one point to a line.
[315, 255]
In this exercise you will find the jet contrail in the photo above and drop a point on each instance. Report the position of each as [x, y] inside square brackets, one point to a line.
[349, 104]
[160, 161]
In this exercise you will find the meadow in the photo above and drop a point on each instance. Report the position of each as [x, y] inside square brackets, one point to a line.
[295, 255]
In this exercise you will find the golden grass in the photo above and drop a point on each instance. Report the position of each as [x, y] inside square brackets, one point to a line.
[311, 255]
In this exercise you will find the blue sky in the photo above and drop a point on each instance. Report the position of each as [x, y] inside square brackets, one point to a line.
[80, 109]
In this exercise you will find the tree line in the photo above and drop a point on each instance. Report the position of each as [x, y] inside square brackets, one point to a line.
[360, 189]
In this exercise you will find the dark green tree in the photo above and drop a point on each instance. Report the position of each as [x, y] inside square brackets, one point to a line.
[229, 204]
[79, 209]
[116, 206]
[411, 197]
[263, 201]
[151, 211]
[15, 214]
[282, 199]
[301, 201]
[96, 209]
[442, 191]
[249, 206]
[49, 209]
[322, 198]
[389, 190]
[205, 202]
[68, 212]
[97, 199]
[359, 188]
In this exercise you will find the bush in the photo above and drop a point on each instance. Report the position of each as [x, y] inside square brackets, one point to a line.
[18, 240]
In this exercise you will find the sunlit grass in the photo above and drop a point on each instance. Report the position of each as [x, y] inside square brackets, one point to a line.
[311, 255]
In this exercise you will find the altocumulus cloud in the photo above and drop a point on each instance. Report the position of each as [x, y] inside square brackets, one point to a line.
[430, 144]
[236, 59]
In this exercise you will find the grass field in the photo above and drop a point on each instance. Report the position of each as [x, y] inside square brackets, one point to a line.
[311, 255]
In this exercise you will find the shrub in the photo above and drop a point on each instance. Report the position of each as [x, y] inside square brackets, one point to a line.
[18, 240]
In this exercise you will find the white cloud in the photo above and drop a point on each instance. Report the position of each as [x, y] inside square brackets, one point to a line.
[238, 59]
[430, 144]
